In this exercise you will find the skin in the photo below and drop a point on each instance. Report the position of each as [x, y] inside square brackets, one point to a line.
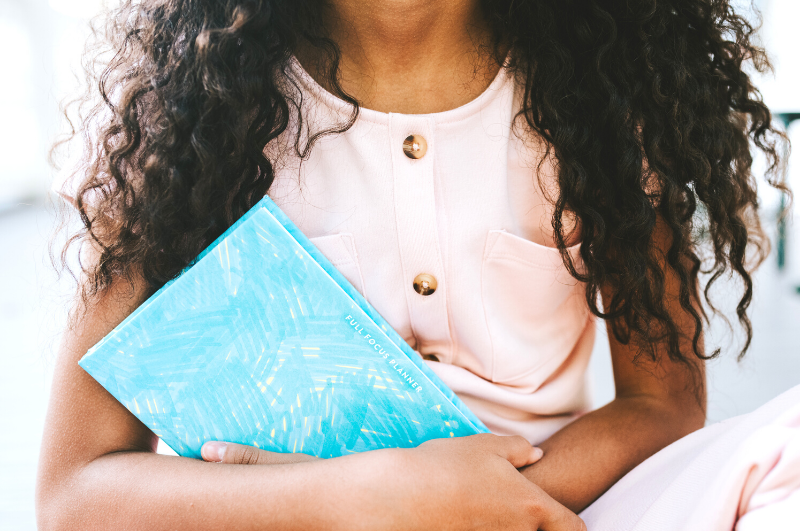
[406, 57]
[99, 470]
[98, 466]
[656, 403]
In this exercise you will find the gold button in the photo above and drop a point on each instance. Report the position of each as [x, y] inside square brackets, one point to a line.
[415, 147]
[424, 284]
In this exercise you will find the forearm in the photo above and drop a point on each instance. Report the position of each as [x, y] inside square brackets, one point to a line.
[585, 458]
[141, 490]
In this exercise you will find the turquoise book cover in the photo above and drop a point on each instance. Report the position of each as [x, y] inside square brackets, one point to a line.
[261, 341]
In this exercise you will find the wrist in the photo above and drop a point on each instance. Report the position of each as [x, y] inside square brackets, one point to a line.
[367, 484]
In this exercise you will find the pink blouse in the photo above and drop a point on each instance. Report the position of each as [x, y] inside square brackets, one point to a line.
[507, 327]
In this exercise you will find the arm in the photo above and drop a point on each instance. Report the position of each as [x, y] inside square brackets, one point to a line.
[655, 404]
[99, 470]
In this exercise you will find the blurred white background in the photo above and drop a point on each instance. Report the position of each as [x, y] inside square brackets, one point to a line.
[40, 48]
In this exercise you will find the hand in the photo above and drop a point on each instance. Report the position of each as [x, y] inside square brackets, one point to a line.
[444, 484]
[473, 483]
[240, 454]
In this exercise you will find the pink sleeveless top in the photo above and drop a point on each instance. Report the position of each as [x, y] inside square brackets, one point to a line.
[493, 310]
[459, 209]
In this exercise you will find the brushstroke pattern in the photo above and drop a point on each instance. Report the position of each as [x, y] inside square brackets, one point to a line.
[255, 343]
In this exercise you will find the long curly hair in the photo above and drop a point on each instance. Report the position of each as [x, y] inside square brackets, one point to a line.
[646, 106]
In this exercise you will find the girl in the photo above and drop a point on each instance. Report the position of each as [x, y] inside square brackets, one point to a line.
[493, 176]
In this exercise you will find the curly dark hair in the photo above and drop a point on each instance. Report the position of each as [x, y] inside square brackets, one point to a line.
[646, 106]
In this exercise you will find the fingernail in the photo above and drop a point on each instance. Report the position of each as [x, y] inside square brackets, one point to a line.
[537, 453]
[214, 451]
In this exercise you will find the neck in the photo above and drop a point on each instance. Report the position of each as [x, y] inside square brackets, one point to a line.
[407, 56]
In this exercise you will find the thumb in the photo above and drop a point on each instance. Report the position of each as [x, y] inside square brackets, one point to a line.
[241, 454]
[515, 449]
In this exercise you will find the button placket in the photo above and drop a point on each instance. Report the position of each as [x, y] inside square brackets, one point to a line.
[413, 155]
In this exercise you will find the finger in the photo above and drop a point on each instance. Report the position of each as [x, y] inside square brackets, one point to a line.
[241, 454]
[516, 450]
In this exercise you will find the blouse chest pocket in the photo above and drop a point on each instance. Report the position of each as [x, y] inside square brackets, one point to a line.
[535, 310]
[340, 250]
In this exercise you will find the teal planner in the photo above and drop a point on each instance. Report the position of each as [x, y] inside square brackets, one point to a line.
[261, 341]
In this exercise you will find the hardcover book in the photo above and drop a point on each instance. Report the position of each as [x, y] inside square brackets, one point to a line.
[261, 341]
